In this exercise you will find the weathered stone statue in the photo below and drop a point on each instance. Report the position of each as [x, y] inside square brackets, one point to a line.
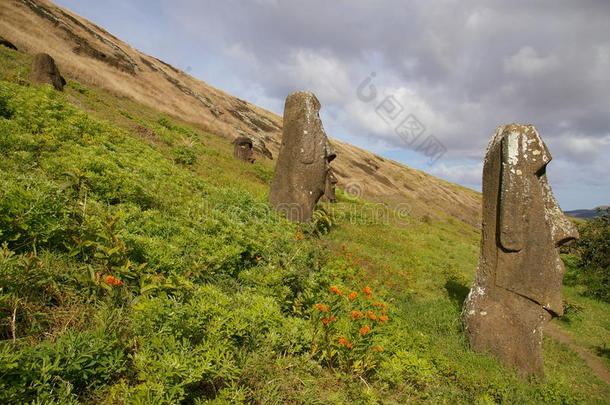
[303, 161]
[517, 289]
[45, 71]
[243, 149]
[329, 188]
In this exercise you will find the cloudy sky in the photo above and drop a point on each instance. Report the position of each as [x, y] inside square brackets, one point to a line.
[459, 68]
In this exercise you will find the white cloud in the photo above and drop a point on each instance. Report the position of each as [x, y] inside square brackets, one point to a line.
[240, 54]
[528, 62]
[321, 73]
[462, 68]
[468, 174]
[582, 148]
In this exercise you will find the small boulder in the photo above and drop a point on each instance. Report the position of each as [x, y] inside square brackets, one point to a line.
[45, 71]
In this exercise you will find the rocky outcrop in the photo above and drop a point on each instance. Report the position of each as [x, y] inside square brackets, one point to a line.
[517, 289]
[8, 44]
[118, 59]
[254, 121]
[303, 162]
[216, 112]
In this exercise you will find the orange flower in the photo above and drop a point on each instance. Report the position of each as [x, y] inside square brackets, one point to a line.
[345, 343]
[300, 236]
[322, 307]
[380, 304]
[378, 348]
[352, 296]
[383, 319]
[328, 320]
[365, 329]
[336, 290]
[113, 281]
[372, 315]
[367, 290]
[357, 314]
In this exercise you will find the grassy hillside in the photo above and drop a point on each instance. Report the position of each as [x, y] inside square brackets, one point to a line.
[89, 54]
[141, 264]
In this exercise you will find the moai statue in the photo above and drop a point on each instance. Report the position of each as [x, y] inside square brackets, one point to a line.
[329, 188]
[243, 149]
[45, 71]
[517, 289]
[303, 161]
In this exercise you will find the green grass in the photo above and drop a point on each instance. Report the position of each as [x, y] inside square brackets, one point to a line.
[215, 294]
[587, 320]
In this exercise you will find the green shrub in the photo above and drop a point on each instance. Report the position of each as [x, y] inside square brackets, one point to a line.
[406, 367]
[75, 364]
[165, 122]
[34, 212]
[184, 155]
[179, 370]
[322, 221]
[594, 249]
[191, 347]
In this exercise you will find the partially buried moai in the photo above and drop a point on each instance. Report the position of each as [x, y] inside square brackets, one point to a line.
[517, 289]
[45, 71]
[243, 149]
[303, 163]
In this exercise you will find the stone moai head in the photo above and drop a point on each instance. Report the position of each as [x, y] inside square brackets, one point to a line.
[45, 71]
[303, 163]
[518, 284]
[243, 149]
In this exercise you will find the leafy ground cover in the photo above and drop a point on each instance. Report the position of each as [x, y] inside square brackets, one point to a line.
[141, 264]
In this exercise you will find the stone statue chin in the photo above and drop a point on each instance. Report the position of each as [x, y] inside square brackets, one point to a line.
[303, 163]
[330, 187]
[517, 289]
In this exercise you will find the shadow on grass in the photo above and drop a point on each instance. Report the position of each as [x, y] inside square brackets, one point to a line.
[457, 292]
[602, 351]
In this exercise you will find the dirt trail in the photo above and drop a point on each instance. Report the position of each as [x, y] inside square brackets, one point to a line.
[592, 360]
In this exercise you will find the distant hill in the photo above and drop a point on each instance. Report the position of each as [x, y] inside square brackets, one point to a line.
[587, 214]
